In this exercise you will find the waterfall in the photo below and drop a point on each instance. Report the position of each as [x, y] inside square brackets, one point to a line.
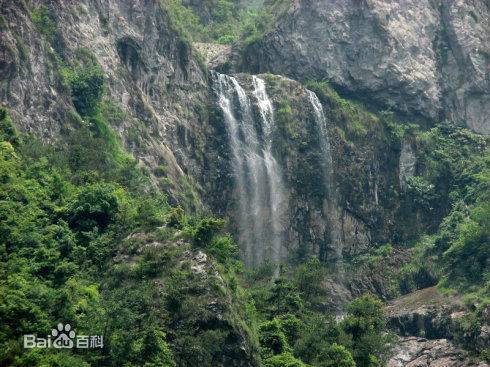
[331, 207]
[259, 189]
[321, 124]
[226, 87]
[277, 201]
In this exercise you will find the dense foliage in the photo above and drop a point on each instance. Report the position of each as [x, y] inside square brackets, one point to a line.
[441, 214]
[66, 212]
[86, 239]
[218, 21]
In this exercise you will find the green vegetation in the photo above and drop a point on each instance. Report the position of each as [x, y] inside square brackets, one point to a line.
[64, 225]
[86, 239]
[336, 356]
[294, 331]
[355, 120]
[450, 196]
[66, 212]
[86, 84]
[453, 184]
[285, 119]
[443, 216]
[44, 22]
[218, 21]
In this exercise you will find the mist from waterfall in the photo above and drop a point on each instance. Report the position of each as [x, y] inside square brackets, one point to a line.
[259, 188]
[331, 207]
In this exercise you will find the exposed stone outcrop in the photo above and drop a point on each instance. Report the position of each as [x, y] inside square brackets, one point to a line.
[407, 164]
[425, 313]
[420, 352]
[215, 55]
[425, 59]
[426, 322]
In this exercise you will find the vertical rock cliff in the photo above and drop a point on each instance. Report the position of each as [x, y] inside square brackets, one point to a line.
[424, 59]
[151, 72]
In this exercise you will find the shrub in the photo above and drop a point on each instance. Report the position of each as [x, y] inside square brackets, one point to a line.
[308, 279]
[87, 87]
[421, 192]
[95, 206]
[44, 22]
[285, 119]
[152, 349]
[206, 230]
[8, 132]
[272, 339]
[291, 326]
[284, 298]
[227, 39]
[317, 333]
[335, 356]
[366, 323]
[223, 248]
[176, 218]
[467, 259]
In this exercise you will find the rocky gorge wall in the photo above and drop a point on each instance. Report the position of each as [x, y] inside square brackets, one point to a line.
[427, 60]
[288, 163]
[152, 77]
[166, 97]
[297, 170]
[323, 178]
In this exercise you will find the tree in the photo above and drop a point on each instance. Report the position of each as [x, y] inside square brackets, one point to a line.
[272, 339]
[87, 87]
[335, 355]
[154, 351]
[467, 259]
[284, 298]
[365, 323]
[95, 206]
[206, 230]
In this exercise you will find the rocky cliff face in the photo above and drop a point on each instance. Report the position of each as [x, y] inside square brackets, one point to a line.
[426, 322]
[283, 160]
[298, 170]
[424, 59]
[413, 351]
[326, 176]
[151, 75]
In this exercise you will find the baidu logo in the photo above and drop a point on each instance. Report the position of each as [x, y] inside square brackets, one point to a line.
[64, 337]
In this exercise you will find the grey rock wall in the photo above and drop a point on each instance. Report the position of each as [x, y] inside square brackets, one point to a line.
[151, 74]
[424, 59]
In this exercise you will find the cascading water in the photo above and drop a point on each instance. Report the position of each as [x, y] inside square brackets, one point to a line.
[327, 166]
[226, 87]
[258, 184]
[276, 186]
